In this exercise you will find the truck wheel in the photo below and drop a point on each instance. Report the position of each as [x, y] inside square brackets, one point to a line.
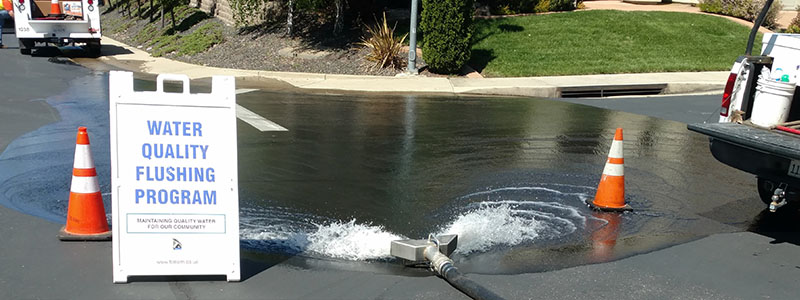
[766, 189]
[25, 46]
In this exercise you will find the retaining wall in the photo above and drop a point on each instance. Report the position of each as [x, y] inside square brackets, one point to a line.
[221, 9]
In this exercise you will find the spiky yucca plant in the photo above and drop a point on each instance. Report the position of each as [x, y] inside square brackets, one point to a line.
[384, 46]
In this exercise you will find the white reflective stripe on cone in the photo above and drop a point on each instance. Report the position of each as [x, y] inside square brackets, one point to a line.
[614, 170]
[83, 157]
[84, 185]
[616, 149]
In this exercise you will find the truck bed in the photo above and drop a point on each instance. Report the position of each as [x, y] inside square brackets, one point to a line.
[770, 141]
[772, 155]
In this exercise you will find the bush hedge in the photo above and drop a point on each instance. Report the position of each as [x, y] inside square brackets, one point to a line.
[509, 7]
[794, 26]
[744, 9]
[446, 27]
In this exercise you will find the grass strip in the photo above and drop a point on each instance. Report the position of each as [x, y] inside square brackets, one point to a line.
[605, 42]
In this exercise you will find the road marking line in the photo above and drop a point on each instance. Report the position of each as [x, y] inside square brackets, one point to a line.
[254, 119]
[242, 91]
[257, 121]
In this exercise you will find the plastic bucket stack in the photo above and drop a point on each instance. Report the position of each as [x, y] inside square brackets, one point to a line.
[772, 101]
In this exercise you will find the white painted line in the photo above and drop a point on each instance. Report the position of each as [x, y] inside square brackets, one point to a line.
[242, 91]
[257, 121]
[254, 119]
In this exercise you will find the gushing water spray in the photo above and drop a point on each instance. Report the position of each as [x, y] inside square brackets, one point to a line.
[435, 251]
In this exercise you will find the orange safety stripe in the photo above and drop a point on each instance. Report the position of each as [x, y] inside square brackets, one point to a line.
[84, 172]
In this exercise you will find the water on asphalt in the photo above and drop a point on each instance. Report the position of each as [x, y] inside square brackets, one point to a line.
[353, 172]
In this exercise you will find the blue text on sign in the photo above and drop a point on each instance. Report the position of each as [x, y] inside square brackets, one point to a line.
[177, 128]
[176, 196]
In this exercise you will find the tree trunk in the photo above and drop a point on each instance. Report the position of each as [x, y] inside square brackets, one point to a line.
[289, 18]
[339, 23]
[139, 8]
[172, 16]
[152, 13]
[162, 16]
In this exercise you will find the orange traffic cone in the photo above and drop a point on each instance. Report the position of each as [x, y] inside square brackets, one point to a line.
[610, 194]
[55, 7]
[86, 215]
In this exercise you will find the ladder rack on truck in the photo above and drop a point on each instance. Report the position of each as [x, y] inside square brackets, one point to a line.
[59, 22]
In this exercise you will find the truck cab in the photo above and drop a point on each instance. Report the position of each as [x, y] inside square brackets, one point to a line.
[59, 22]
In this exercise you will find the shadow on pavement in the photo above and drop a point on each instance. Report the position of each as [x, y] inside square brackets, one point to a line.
[111, 50]
[251, 264]
[76, 52]
[50, 51]
[781, 225]
[176, 278]
[750, 214]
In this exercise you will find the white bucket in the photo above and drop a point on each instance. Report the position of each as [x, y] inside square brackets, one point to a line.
[772, 102]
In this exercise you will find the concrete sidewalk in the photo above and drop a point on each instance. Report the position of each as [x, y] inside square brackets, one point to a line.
[784, 17]
[125, 57]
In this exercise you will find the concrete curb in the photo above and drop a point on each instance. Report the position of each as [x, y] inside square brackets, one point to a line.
[136, 60]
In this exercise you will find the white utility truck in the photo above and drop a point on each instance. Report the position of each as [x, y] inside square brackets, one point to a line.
[759, 124]
[60, 22]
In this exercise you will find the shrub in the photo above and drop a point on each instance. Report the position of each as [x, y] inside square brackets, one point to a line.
[794, 26]
[201, 39]
[384, 46]
[507, 7]
[711, 6]
[542, 6]
[447, 32]
[562, 5]
[744, 9]
[198, 41]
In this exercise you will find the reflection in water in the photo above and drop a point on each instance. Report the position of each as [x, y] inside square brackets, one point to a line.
[605, 238]
[574, 138]
[509, 175]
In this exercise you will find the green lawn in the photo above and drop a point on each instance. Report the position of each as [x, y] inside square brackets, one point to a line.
[605, 42]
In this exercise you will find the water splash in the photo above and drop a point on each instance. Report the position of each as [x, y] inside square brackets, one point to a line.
[512, 216]
[281, 230]
[351, 241]
[481, 225]
[511, 223]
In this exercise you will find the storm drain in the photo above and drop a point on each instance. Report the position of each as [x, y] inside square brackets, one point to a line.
[610, 90]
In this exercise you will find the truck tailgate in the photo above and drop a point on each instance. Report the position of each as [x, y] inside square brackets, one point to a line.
[770, 141]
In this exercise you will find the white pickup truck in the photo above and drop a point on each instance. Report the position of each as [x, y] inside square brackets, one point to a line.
[759, 125]
[77, 22]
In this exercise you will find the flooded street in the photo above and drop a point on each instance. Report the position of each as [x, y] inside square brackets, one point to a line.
[510, 176]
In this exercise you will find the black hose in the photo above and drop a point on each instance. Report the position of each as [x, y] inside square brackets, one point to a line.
[756, 25]
[466, 285]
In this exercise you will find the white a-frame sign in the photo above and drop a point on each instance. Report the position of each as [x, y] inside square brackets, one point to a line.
[174, 181]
